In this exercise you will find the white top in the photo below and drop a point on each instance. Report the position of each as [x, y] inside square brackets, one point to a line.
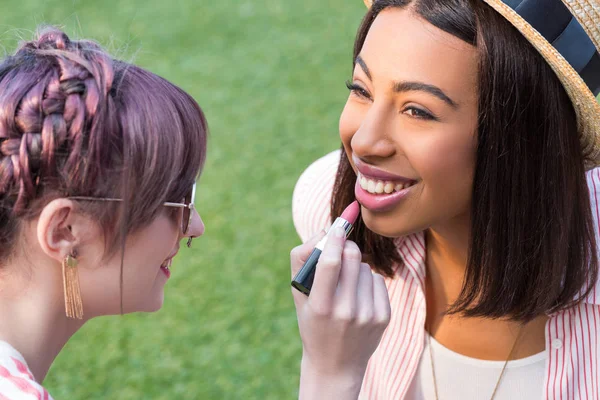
[466, 378]
[16, 380]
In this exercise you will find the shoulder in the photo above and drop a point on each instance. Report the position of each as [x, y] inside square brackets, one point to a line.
[16, 380]
[593, 181]
[311, 201]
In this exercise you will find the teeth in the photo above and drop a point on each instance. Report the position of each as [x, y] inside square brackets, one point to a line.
[371, 186]
[380, 187]
[363, 183]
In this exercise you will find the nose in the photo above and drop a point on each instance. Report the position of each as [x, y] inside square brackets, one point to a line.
[196, 228]
[374, 137]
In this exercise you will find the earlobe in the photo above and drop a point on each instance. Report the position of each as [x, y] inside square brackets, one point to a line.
[54, 228]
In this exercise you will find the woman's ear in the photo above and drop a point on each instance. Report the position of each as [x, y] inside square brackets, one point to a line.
[58, 228]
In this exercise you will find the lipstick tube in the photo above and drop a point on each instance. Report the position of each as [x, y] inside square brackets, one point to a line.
[303, 280]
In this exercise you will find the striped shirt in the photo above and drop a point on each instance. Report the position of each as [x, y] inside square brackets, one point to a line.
[572, 336]
[16, 379]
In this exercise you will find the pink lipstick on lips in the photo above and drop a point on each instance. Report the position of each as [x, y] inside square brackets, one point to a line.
[380, 201]
[166, 269]
[303, 280]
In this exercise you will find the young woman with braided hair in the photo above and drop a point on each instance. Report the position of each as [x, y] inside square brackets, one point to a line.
[98, 162]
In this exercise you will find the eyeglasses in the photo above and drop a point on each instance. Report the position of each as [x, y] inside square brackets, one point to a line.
[187, 205]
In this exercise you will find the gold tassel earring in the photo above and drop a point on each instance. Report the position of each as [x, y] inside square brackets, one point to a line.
[73, 303]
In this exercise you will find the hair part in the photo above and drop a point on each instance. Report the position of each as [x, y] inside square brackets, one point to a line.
[533, 248]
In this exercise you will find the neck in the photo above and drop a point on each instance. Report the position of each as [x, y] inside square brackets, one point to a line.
[447, 254]
[33, 304]
[482, 338]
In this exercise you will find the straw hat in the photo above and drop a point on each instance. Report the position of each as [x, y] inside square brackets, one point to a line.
[567, 35]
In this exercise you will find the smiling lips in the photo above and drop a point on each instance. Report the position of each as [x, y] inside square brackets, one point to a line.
[379, 190]
[166, 267]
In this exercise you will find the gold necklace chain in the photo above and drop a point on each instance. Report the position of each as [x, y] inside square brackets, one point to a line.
[501, 372]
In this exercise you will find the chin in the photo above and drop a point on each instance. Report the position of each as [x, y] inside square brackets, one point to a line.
[152, 304]
[389, 224]
[156, 304]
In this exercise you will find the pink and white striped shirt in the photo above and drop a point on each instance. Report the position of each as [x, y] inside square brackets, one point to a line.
[572, 336]
[16, 379]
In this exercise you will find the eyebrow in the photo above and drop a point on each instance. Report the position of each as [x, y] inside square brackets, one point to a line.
[400, 87]
[364, 67]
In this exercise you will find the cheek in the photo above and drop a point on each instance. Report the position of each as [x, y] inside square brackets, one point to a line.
[350, 122]
[144, 258]
[156, 243]
[445, 157]
[446, 165]
[142, 280]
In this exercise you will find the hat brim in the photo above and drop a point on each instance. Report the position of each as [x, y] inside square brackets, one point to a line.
[584, 102]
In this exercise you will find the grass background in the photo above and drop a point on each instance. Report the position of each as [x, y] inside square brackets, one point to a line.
[270, 76]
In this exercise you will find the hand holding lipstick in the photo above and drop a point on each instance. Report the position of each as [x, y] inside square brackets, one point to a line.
[341, 322]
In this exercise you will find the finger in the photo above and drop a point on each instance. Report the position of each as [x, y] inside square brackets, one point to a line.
[300, 298]
[328, 271]
[349, 273]
[381, 300]
[300, 254]
[364, 293]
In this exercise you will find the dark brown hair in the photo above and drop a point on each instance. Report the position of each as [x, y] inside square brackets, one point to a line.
[75, 122]
[532, 248]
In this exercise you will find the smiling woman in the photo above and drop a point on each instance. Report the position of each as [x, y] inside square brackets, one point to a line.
[466, 138]
[433, 100]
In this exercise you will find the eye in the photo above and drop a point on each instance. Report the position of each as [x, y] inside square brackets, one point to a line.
[419, 113]
[358, 90]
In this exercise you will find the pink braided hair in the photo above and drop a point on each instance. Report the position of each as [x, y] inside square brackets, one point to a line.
[53, 115]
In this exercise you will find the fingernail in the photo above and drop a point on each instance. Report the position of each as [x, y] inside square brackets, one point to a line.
[339, 232]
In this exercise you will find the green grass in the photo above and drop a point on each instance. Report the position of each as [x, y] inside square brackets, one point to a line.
[270, 77]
